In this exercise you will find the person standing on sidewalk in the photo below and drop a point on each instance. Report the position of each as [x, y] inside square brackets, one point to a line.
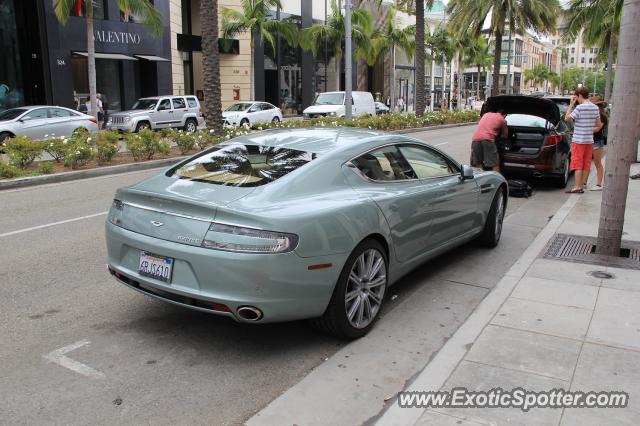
[586, 118]
[484, 152]
[599, 141]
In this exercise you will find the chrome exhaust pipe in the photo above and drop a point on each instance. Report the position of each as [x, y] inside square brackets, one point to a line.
[249, 313]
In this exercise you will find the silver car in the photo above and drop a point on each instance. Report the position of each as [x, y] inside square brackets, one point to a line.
[42, 122]
[159, 112]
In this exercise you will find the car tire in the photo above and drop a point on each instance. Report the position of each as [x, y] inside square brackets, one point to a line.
[275, 119]
[244, 122]
[143, 125]
[561, 182]
[5, 136]
[368, 291]
[492, 231]
[191, 125]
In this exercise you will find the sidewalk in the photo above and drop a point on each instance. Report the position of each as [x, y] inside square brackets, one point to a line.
[548, 324]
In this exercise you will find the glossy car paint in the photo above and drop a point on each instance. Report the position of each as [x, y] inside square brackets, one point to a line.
[330, 206]
[49, 126]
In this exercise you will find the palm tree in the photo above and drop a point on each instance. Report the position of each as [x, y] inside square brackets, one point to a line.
[442, 51]
[211, 64]
[538, 75]
[255, 18]
[141, 8]
[599, 22]
[461, 43]
[521, 15]
[388, 39]
[477, 54]
[623, 134]
[332, 33]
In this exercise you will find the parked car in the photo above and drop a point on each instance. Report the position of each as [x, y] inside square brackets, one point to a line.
[251, 113]
[159, 112]
[539, 142]
[41, 122]
[299, 223]
[331, 104]
[382, 108]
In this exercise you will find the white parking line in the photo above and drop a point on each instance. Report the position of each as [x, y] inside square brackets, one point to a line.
[58, 357]
[62, 222]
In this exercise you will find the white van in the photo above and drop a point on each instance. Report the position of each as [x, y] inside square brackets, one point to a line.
[331, 104]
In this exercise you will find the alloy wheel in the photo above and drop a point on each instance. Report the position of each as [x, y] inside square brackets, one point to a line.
[499, 215]
[191, 127]
[365, 288]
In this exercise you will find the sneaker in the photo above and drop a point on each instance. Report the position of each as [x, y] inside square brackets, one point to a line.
[596, 188]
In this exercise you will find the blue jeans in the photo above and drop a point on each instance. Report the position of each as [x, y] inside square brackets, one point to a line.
[598, 143]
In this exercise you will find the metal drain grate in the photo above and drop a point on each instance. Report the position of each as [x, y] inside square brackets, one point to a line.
[579, 248]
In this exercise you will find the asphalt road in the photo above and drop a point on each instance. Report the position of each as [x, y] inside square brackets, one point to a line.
[151, 362]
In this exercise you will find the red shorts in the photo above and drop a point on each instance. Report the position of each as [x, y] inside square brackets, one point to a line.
[581, 156]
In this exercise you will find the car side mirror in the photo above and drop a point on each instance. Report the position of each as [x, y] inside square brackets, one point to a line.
[466, 172]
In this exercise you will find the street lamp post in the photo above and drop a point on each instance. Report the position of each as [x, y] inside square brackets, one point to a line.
[347, 59]
[509, 56]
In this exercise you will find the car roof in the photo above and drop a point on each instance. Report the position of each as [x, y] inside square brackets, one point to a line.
[319, 140]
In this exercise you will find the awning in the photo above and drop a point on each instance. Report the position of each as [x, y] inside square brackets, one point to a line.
[152, 58]
[117, 56]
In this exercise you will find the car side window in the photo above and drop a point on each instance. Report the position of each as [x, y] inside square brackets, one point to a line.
[37, 114]
[178, 103]
[266, 107]
[192, 102]
[59, 113]
[427, 163]
[164, 105]
[254, 108]
[384, 164]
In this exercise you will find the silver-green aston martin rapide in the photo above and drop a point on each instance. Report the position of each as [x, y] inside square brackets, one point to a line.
[289, 224]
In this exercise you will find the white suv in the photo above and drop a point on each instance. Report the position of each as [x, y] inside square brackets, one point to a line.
[159, 112]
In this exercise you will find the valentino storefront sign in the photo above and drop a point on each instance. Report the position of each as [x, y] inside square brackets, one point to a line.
[118, 37]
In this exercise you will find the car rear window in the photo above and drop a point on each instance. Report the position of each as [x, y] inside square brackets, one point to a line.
[525, 120]
[192, 102]
[242, 165]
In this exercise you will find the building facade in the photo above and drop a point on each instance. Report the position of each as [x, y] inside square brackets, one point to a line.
[48, 64]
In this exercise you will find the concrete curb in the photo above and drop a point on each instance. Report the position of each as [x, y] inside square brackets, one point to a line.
[124, 168]
[85, 174]
[438, 370]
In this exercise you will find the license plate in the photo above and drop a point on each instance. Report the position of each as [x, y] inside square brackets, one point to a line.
[154, 266]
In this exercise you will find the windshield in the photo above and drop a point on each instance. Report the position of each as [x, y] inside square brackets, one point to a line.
[239, 107]
[242, 165]
[524, 120]
[329, 99]
[10, 114]
[145, 104]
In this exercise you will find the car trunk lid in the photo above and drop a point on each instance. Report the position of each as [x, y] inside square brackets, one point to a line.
[175, 210]
[539, 107]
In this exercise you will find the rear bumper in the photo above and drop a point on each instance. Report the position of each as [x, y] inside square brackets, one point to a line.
[280, 285]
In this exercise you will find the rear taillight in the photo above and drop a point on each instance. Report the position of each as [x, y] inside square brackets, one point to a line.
[93, 120]
[552, 140]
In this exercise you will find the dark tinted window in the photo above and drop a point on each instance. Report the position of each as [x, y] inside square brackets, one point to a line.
[145, 104]
[165, 104]
[266, 107]
[427, 163]
[37, 113]
[193, 103]
[384, 164]
[178, 103]
[242, 165]
[10, 114]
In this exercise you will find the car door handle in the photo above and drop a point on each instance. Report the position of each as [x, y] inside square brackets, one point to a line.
[170, 112]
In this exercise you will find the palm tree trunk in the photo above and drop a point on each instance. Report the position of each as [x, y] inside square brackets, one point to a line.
[610, 59]
[419, 76]
[211, 64]
[338, 68]
[459, 85]
[622, 136]
[252, 77]
[392, 79]
[91, 63]
[444, 83]
[495, 89]
[432, 85]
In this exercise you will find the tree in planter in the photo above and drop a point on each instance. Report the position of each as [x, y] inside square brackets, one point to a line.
[141, 8]
[599, 23]
[211, 64]
[520, 15]
[624, 133]
[332, 32]
[255, 18]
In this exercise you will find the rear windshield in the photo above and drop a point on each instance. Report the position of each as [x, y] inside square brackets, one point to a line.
[237, 164]
[524, 120]
[563, 105]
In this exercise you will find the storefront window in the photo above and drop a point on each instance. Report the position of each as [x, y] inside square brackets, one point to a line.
[107, 83]
[11, 72]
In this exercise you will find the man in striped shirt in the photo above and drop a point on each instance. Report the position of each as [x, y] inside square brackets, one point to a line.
[586, 119]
